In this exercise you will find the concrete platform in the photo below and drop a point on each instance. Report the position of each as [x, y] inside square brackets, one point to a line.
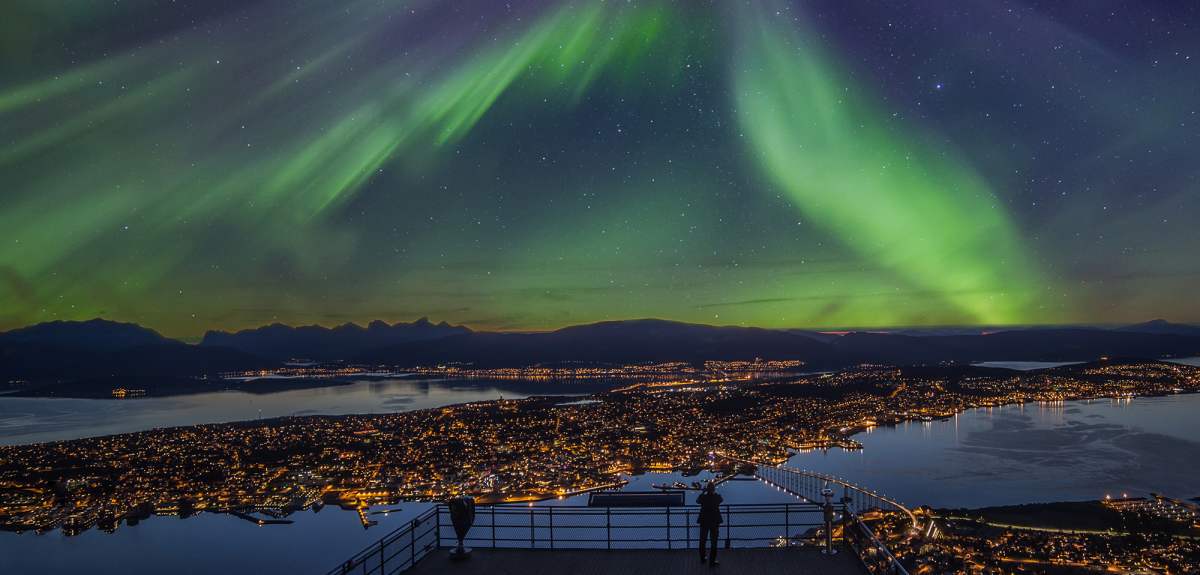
[639, 562]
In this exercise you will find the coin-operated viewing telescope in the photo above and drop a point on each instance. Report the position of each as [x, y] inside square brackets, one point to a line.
[462, 515]
[827, 493]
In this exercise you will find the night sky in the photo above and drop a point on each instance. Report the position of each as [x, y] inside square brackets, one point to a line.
[200, 164]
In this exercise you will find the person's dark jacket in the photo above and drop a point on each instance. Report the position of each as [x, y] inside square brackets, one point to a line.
[710, 509]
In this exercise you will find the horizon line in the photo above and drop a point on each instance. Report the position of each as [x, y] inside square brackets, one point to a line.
[835, 330]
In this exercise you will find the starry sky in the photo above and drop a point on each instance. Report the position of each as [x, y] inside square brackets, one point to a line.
[526, 165]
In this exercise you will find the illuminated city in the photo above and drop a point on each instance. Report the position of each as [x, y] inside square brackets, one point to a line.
[511, 450]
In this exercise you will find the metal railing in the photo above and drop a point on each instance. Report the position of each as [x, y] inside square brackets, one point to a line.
[399, 550]
[579, 527]
[875, 556]
[809, 485]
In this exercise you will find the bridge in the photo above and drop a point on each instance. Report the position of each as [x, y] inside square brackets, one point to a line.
[810, 485]
[552, 539]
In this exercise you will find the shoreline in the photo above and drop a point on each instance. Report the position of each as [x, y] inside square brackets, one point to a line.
[1086, 517]
[257, 387]
[265, 385]
[847, 434]
[844, 434]
[908, 414]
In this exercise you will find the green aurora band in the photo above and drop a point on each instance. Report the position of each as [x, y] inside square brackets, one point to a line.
[895, 201]
[563, 162]
[97, 118]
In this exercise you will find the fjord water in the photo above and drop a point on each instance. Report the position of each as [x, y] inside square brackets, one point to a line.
[1033, 452]
[38, 419]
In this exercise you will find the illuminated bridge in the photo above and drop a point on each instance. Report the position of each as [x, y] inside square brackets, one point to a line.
[810, 485]
[569, 539]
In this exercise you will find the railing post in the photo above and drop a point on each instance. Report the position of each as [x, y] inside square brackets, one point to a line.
[687, 528]
[412, 543]
[608, 526]
[382, 557]
[787, 525]
[828, 524]
[437, 527]
[493, 526]
[728, 525]
[668, 513]
[551, 526]
[532, 541]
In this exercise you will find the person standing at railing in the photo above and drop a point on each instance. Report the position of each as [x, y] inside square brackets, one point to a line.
[710, 521]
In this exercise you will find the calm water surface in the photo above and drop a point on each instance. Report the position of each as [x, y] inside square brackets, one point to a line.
[1192, 361]
[1025, 365]
[1033, 452]
[37, 419]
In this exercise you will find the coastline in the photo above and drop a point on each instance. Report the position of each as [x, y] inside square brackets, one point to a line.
[835, 438]
[845, 435]
[166, 387]
[177, 388]
[523, 497]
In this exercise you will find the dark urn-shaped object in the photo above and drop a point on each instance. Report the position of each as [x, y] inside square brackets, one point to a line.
[462, 515]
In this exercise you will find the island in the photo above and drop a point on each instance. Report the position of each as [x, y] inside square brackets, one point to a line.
[512, 450]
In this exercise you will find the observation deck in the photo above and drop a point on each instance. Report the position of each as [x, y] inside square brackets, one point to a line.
[643, 561]
[569, 539]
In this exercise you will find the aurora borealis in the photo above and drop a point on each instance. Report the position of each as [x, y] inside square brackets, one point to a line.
[532, 164]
